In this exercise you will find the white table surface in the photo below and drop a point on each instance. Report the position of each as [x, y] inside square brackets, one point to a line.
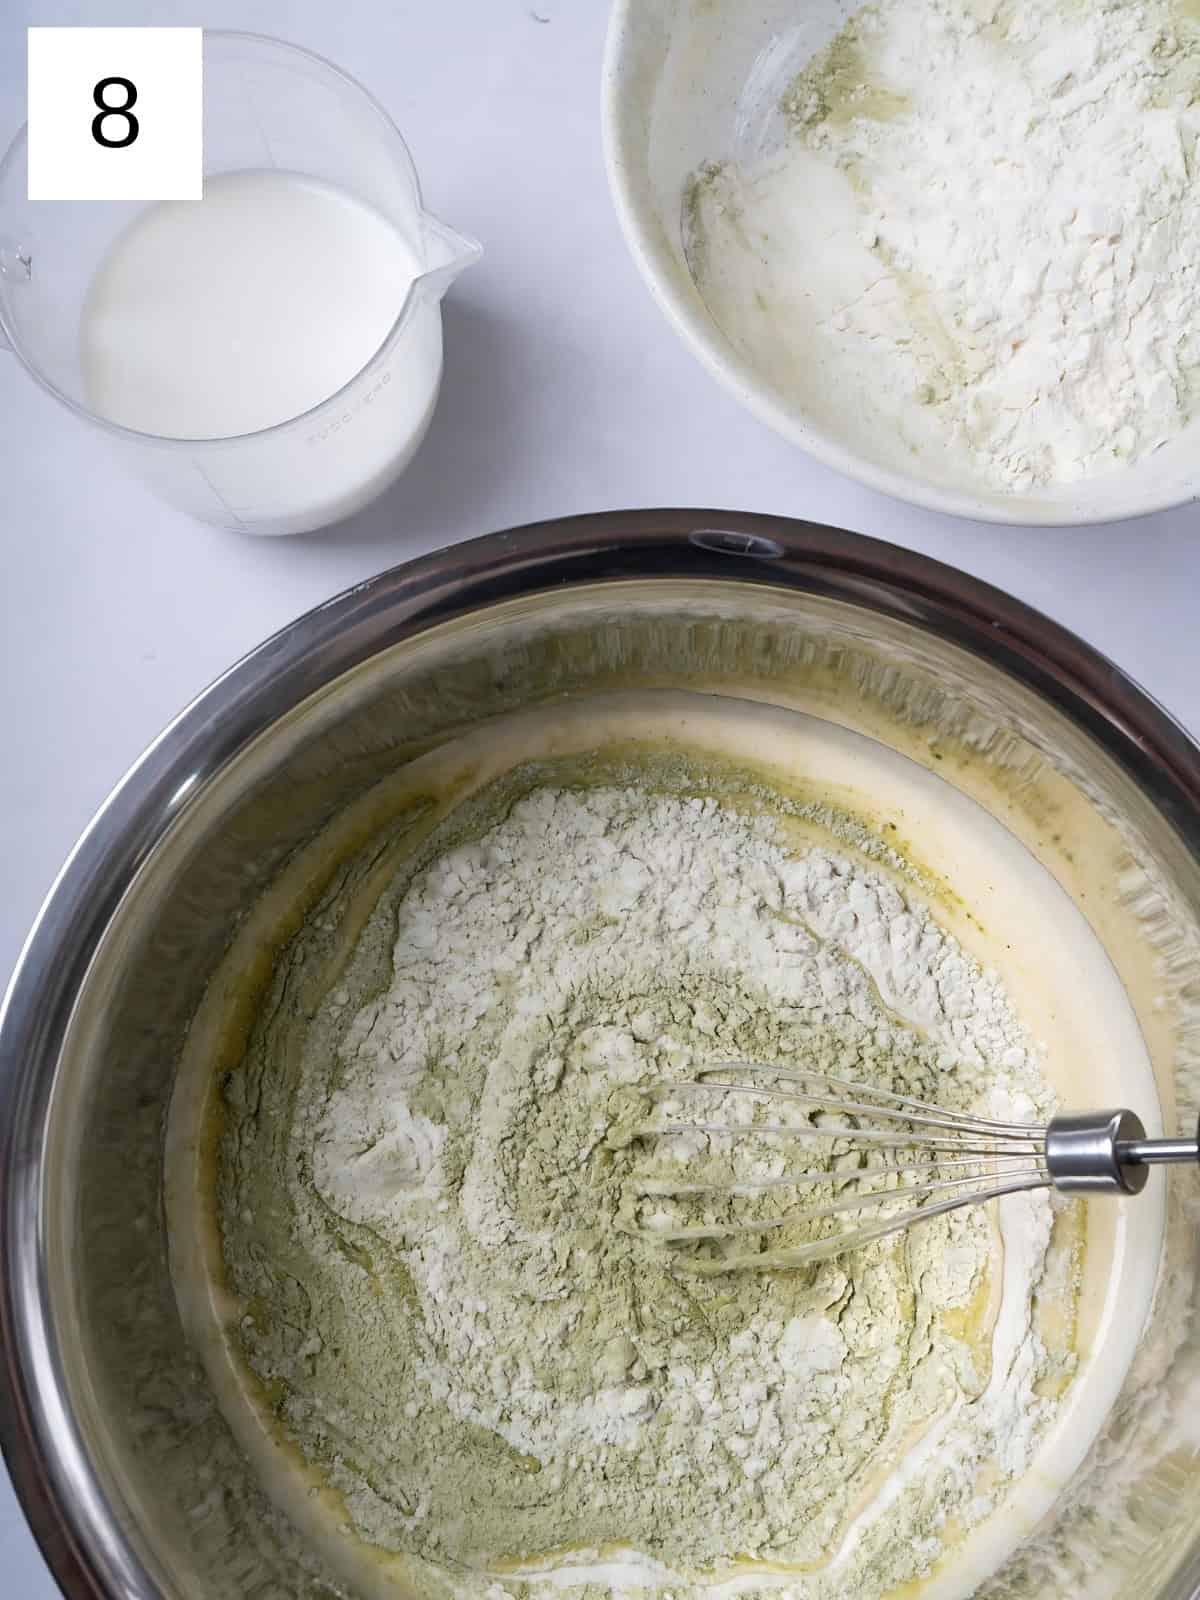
[564, 392]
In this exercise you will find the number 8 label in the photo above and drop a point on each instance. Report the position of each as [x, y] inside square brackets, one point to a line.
[106, 110]
[86, 139]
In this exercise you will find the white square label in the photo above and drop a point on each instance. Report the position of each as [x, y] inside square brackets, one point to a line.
[116, 114]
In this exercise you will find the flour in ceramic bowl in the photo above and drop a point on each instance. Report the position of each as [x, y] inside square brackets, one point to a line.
[427, 1220]
[979, 242]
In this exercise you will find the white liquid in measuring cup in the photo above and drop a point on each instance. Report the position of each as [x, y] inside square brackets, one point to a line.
[215, 319]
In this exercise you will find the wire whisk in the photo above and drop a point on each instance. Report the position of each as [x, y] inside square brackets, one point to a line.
[890, 1161]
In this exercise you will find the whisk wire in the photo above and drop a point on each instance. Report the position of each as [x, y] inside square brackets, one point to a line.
[887, 1137]
[917, 1193]
[835, 1090]
[837, 1244]
[945, 1160]
[795, 1180]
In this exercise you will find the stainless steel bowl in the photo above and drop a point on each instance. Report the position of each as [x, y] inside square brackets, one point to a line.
[126, 1470]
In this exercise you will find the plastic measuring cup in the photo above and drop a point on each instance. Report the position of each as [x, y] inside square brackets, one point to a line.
[268, 106]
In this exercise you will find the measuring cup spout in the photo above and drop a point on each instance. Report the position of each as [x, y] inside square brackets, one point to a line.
[447, 252]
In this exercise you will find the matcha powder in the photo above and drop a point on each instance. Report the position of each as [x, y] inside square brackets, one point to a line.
[431, 1185]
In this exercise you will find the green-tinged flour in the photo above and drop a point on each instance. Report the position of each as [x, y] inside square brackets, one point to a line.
[427, 1182]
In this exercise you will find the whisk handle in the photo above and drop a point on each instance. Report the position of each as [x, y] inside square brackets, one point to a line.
[1154, 1152]
[1107, 1152]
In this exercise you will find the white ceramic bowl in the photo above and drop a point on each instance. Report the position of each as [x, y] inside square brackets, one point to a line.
[689, 81]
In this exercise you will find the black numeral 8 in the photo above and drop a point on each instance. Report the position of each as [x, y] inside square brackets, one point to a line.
[132, 129]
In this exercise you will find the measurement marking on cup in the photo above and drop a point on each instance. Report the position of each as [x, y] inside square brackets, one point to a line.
[348, 416]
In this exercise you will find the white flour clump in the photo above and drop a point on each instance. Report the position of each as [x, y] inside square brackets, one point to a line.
[458, 1330]
[982, 235]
